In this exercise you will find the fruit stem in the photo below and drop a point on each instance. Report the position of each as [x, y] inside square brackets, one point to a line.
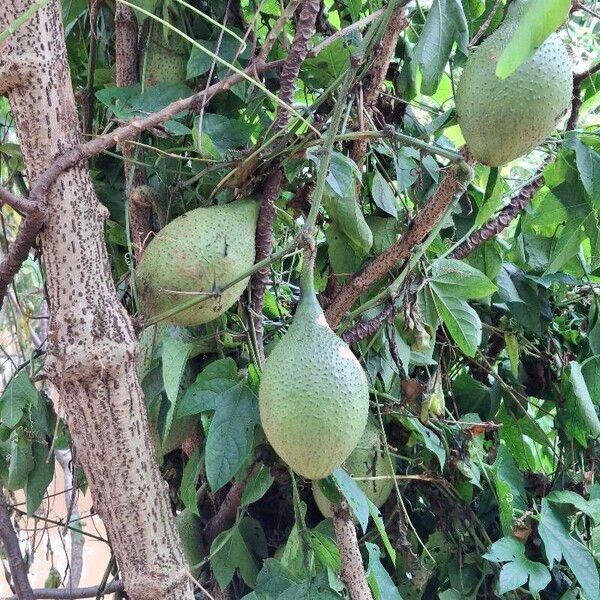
[327, 149]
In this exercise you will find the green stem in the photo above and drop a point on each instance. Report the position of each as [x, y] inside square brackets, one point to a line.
[328, 145]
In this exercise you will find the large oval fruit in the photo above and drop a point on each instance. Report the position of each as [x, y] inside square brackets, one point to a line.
[502, 119]
[196, 253]
[314, 396]
[368, 459]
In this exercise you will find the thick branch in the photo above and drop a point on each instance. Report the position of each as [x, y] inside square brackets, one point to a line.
[380, 266]
[353, 572]
[10, 543]
[224, 518]
[264, 246]
[578, 81]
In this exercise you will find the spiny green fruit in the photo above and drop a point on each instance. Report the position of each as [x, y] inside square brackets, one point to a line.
[166, 58]
[502, 119]
[196, 253]
[368, 459]
[313, 395]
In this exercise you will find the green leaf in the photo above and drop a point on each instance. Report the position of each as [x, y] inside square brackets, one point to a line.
[230, 435]
[258, 486]
[588, 165]
[352, 492]
[200, 62]
[236, 548]
[462, 321]
[431, 440]
[446, 23]
[204, 393]
[175, 354]
[380, 526]
[325, 550]
[558, 544]
[21, 462]
[512, 499]
[343, 258]
[518, 569]
[17, 396]
[40, 477]
[580, 415]
[383, 195]
[540, 19]
[567, 244]
[455, 278]
[189, 480]
[591, 507]
[225, 133]
[379, 579]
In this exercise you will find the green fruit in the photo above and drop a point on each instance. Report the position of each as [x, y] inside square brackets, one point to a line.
[367, 460]
[201, 251]
[313, 395]
[502, 119]
[166, 59]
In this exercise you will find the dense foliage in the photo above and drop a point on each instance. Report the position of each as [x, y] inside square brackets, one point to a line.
[484, 372]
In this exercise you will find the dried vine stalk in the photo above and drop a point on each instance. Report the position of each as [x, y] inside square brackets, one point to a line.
[377, 74]
[305, 29]
[127, 73]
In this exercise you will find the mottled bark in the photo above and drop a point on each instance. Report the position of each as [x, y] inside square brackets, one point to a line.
[91, 355]
[127, 73]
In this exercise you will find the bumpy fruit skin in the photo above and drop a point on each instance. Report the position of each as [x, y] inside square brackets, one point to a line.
[313, 395]
[204, 249]
[166, 60]
[368, 459]
[504, 119]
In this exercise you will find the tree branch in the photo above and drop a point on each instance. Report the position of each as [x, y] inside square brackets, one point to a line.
[10, 543]
[353, 572]
[21, 204]
[578, 81]
[73, 594]
[381, 265]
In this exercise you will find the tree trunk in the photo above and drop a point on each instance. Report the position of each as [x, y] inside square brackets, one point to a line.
[91, 347]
